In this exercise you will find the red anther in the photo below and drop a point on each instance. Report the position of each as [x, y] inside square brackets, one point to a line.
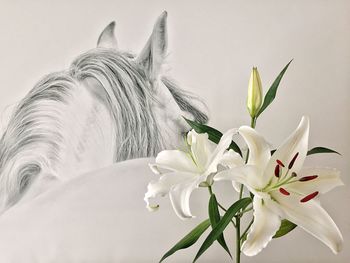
[293, 160]
[277, 171]
[280, 163]
[308, 178]
[309, 197]
[283, 191]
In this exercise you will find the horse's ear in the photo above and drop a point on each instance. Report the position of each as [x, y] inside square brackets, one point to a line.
[153, 54]
[107, 38]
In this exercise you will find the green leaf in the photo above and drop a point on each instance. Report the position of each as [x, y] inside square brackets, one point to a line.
[213, 134]
[214, 217]
[271, 93]
[285, 228]
[222, 224]
[189, 239]
[321, 150]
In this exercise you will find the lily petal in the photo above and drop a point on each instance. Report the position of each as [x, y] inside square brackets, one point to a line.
[248, 175]
[236, 186]
[174, 160]
[266, 223]
[326, 180]
[312, 218]
[231, 159]
[201, 147]
[296, 144]
[219, 151]
[259, 150]
[163, 186]
[180, 197]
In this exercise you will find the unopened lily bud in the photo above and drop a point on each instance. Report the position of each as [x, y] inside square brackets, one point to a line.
[254, 100]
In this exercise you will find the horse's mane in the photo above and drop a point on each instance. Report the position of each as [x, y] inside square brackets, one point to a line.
[34, 136]
[31, 140]
[129, 100]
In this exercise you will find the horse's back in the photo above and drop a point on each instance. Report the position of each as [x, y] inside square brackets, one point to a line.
[97, 217]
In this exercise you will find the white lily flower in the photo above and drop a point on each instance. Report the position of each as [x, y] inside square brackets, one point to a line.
[182, 172]
[283, 189]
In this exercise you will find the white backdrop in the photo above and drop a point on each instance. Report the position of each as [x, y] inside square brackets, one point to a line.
[213, 46]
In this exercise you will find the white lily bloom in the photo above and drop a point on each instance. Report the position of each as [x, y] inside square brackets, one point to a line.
[182, 172]
[283, 189]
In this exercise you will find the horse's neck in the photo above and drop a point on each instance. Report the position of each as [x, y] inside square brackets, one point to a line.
[88, 133]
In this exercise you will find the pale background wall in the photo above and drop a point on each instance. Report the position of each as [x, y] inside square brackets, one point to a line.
[213, 45]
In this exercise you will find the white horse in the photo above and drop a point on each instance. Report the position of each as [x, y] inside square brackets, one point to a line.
[109, 106]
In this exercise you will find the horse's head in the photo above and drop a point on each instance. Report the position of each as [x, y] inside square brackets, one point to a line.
[168, 104]
[107, 107]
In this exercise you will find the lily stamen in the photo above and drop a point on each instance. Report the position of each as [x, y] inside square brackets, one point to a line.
[277, 171]
[280, 163]
[293, 161]
[284, 176]
[274, 187]
[283, 191]
[308, 178]
[309, 197]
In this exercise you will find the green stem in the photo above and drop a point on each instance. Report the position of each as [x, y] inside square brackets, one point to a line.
[210, 190]
[238, 217]
[238, 239]
[253, 122]
[223, 208]
[245, 211]
[241, 192]
[246, 230]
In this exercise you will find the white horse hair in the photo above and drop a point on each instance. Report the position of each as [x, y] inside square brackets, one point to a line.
[107, 107]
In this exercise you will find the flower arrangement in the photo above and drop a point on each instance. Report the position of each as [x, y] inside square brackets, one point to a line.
[271, 182]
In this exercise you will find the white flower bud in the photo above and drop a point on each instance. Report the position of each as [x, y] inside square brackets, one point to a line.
[254, 100]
